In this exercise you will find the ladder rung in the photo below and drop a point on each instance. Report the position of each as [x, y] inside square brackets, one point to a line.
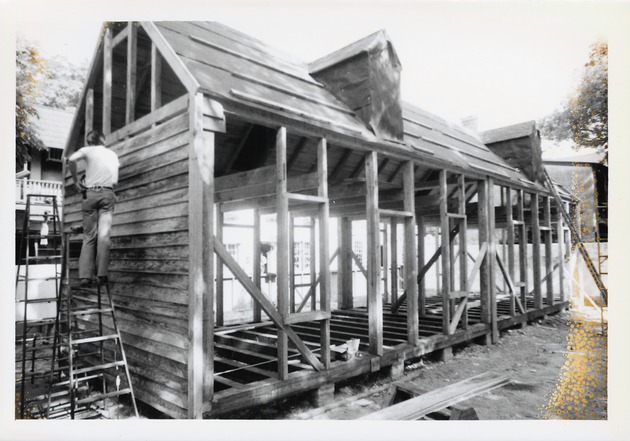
[104, 396]
[40, 300]
[40, 236]
[95, 339]
[99, 367]
[42, 257]
[76, 380]
[91, 311]
[22, 278]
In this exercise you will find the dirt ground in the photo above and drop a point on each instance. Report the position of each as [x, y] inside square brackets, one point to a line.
[557, 368]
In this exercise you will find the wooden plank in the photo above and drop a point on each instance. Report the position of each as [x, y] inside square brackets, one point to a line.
[522, 247]
[396, 213]
[265, 304]
[168, 111]
[536, 252]
[445, 253]
[438, 399]
[201, 272]
[359, 264]
[344, 275]
[283, 253]
[156, 78]
[340, 165]
[308, 316]
[324, 251]
[250, 178]
[375, 307]
[463, 244]
[89, 114]
[132, 58]
[107, 81]
[410, 261]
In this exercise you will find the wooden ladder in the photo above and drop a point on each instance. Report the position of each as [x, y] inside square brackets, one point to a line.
[29, 337]
[578, 240]
[93, 354]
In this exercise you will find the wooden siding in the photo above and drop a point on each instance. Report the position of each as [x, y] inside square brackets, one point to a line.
[149, 259]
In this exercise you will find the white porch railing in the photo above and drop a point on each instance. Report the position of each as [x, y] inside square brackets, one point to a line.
[24, 187]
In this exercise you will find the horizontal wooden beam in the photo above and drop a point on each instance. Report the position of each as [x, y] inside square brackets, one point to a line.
[308, 316]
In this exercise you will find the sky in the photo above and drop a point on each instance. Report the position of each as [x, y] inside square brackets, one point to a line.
[503, 62]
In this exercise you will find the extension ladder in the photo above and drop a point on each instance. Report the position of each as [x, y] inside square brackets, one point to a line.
[94, 353]
[578, 240]
[39, 290]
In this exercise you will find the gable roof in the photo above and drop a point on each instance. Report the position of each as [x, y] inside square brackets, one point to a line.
[514, 131]
[373, 42]
[52, 126]
[241, 72]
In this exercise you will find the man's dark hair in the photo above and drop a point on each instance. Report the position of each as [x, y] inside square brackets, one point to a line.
[95, 138]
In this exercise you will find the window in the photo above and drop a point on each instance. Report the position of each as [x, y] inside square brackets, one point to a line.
[54, 155]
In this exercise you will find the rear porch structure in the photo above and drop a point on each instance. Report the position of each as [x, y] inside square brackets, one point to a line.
[269, 209]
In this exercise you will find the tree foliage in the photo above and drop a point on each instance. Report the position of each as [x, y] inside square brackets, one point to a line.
[584, 116]
[31, 70]
[54, 82]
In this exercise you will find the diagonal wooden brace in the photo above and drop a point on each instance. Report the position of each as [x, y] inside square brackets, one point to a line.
[265, 304]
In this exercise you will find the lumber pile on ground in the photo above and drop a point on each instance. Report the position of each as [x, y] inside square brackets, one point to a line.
[433, 401]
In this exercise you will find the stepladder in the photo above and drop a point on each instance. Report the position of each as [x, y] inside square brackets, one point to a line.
[91, 374]
[37, 282]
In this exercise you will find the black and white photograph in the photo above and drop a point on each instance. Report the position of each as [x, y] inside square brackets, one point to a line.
[315, 220]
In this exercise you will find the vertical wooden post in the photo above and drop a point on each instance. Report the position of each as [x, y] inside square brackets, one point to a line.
[548, 250]
[561, 251]
[313, 266]
[220, 276]
[485, 284]
[282, 205]
[107, 81]
[291, 233]
[463, 248]
[422, 294]
[324, 251]
[89, 114]
[536, 252]
[132, 56]
[344, 274]
[201, 262]
[394, 259]
[522, 249]
[510, 245]
[256, 273]
[492, 250]
[375, 306]
[156, 78]
[384, 262]
[411, 263]
[446, 254]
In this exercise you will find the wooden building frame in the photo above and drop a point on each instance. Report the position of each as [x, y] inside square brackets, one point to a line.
[205, 121]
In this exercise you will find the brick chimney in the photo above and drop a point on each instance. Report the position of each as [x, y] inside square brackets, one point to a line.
[366, 76]
[519, 145]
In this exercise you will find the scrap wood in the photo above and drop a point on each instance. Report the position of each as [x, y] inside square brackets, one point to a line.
[457, 412]
[417, 407]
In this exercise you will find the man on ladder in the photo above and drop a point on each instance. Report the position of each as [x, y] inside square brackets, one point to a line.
[101, 173]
